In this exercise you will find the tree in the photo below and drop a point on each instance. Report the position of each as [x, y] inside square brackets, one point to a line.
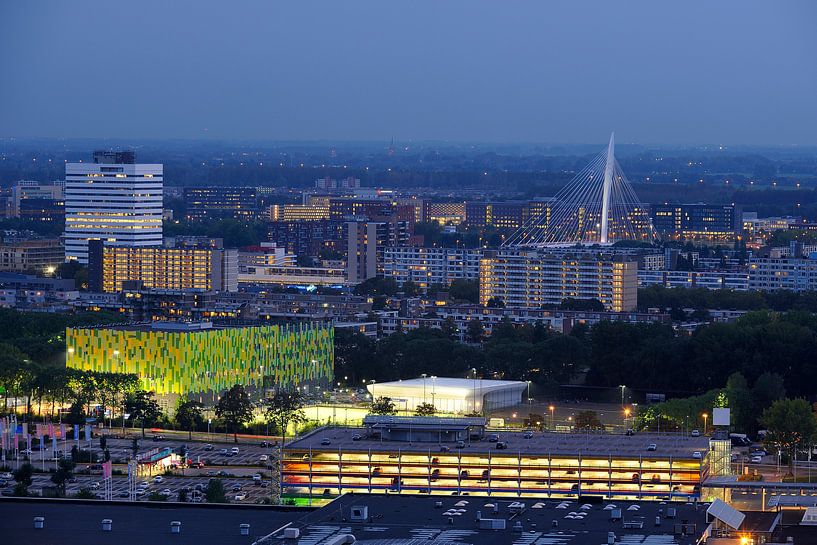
[410, 288]
[449, 328]
[425, 409]
[189, 415]
[383, 406]
[235, 408]
[593, 304]
[467, 290]
[142, 406]
[215, 492]
[790, 424]
[24, 476]
[282, 408]
[134, 446]
[588, 420]
[495, 302]
[65, 471]
[85, 494]
[474, 331]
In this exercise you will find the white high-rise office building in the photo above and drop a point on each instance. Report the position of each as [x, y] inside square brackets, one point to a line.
[113, 199]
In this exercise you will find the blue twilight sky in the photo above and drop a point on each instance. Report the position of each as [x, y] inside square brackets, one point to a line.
[683, 72]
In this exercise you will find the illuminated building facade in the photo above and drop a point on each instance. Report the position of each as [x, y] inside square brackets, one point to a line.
[720, 222]
[533, 278]
[445, 213]
[221, 202]
[303, 212]
[111, 268]
[182, 358]
[113, 199]
[399, 455]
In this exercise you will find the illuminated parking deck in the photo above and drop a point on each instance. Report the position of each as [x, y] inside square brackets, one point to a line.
[544, 465]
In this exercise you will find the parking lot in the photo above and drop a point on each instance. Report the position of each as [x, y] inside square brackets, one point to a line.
[235, 470]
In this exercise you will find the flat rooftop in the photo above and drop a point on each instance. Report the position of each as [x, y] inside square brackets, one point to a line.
[541, 444]
[79, 522]
[399, 519]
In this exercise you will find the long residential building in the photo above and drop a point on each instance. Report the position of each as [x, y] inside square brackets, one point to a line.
[785, 273]
[113, 268]
[367, 242]
[113, 199]
[561, 321]
[534, 278]
[713, 280]
[427, 266]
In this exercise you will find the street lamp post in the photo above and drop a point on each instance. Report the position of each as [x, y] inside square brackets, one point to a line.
[552, 408]
[705, 417]
[626, 416]
[529, 398]
[623, 387]
[424, 387]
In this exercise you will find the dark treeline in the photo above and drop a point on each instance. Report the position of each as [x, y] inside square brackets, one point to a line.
[650, 357]
[668, 299]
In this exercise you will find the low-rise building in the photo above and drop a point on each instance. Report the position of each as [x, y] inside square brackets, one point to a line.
[40, 256]
[713, 280]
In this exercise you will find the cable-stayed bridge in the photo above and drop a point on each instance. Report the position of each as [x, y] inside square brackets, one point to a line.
[598, 206]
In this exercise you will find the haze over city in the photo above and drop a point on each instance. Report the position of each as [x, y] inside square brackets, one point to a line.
[733, 72]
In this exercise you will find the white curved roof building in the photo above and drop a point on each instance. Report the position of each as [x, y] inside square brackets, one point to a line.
[451, 395]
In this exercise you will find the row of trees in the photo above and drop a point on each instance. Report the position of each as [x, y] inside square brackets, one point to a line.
[652, 357]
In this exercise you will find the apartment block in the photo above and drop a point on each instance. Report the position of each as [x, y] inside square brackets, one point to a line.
[533, 278]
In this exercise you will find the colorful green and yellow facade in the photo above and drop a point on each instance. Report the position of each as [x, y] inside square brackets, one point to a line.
[207, 360]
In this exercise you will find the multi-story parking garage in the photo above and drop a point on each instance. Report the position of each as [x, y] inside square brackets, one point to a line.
[444, 456]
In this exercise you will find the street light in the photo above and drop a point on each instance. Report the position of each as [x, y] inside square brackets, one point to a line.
[623, 387]
[705, 417]
[529, 398]
[552, 408]
[626, 416]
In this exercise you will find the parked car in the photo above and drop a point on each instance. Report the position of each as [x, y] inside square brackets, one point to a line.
[528, 435]
[756, 459]
[696, 433]
[236, 487]
[697, 455]
[223, 451]
[256, 477]
[460, 444]
[652, 447]
[166, 492]
[493, 438]
[234, 450]
[240, 497]
[263, 458]
[326, 441]
[209, 447]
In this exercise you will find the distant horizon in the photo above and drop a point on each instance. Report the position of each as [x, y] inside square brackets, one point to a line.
[314, 142]
[735, 72]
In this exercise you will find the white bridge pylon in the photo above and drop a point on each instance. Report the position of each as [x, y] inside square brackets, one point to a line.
[598, 206]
